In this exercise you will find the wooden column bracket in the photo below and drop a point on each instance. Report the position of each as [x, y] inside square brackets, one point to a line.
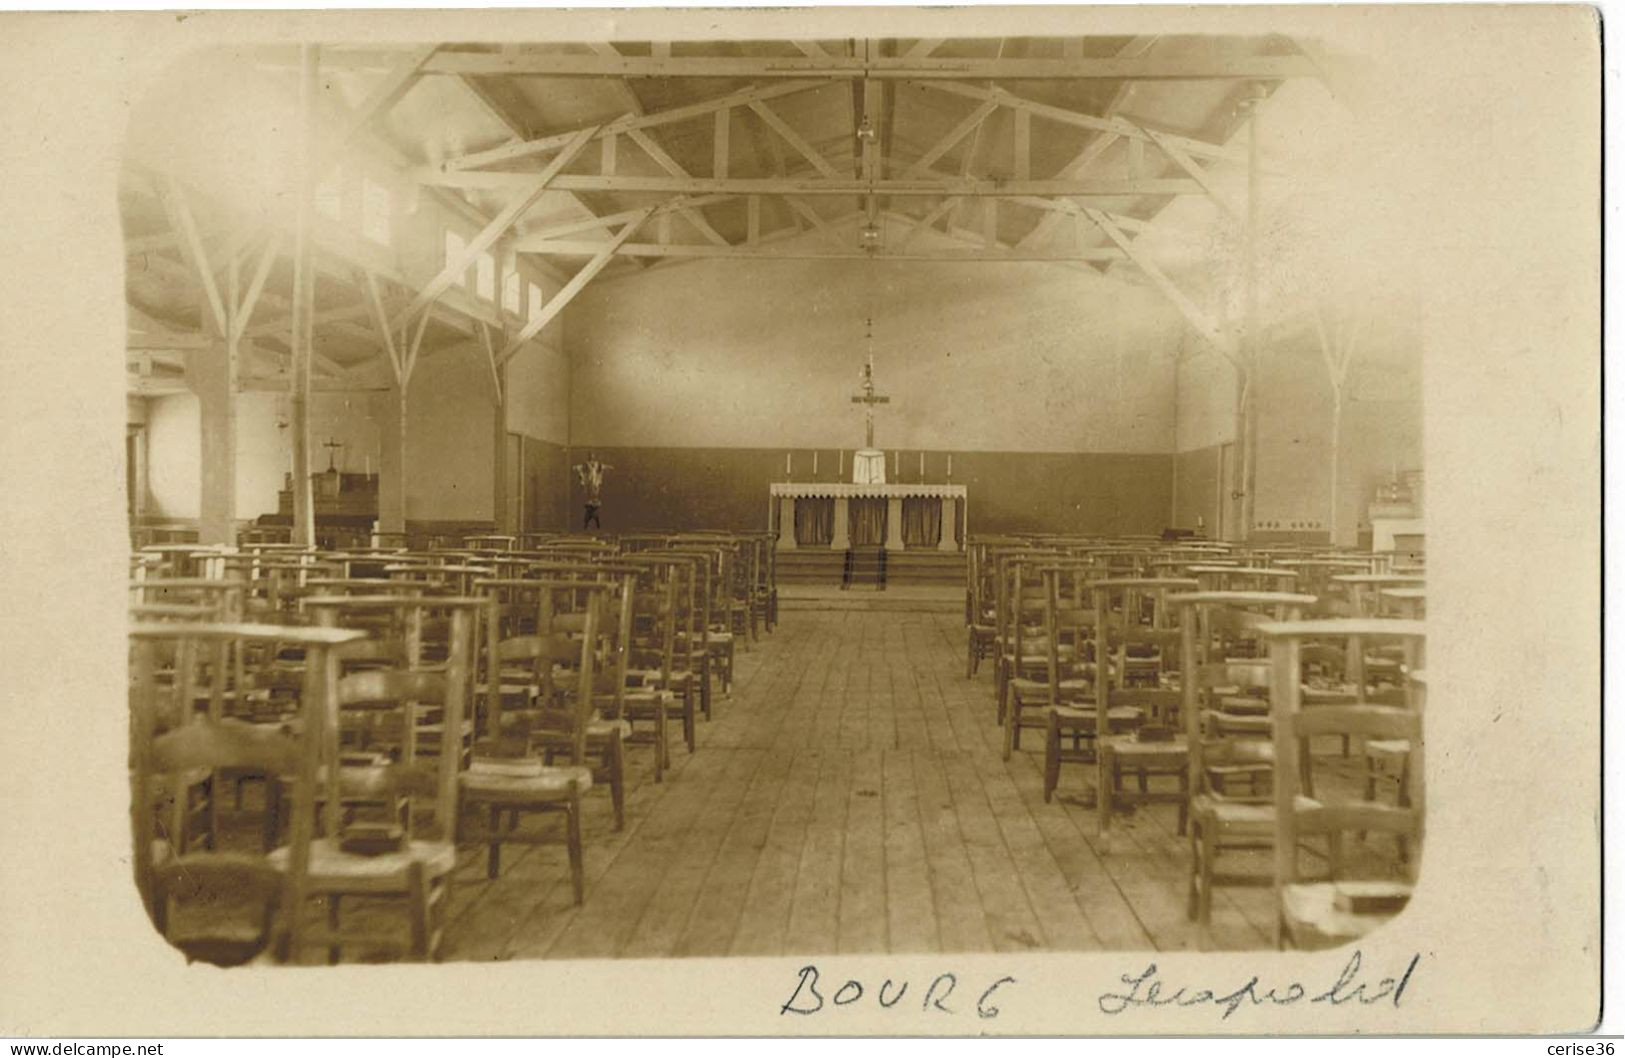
[386, 337]
[244, 309]
[191, 246]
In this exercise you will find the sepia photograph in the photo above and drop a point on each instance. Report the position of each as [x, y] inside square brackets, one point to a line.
[864, 505]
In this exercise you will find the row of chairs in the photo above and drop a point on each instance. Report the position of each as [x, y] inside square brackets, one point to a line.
[395, 705]
[1214, 677]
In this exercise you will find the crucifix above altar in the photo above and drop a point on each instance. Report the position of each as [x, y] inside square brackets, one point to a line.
[868, 463]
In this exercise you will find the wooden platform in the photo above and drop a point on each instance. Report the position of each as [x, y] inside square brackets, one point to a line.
[848, 797]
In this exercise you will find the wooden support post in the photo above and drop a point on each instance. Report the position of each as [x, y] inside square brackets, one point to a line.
[1250, 350]
[389, 408]
[502, 516]
[212, 374]
[304, 289]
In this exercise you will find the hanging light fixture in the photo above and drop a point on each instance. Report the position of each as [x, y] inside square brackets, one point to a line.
[869, 237]
[866, 130]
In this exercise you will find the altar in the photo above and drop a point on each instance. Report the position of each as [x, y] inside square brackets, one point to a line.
[951, 501]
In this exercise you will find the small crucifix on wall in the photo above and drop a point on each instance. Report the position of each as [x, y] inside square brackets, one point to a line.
[332, 447]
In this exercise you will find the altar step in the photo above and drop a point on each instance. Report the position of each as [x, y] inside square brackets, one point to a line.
[820, 566]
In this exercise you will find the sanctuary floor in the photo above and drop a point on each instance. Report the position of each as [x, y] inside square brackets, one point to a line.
[848, 796]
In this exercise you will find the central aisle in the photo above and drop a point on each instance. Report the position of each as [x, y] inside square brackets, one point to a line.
[848, 796]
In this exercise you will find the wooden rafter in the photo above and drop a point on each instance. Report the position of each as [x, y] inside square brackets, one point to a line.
[555, 140]
[1188, 165]
[1078, 119]
[670, 165]
[552, 64]
[940, 210]
[768, 251]
[838, 185]
[397, 81]
[567, 293]
[495, 229]
[1199, 320]
[811, 216]
[793, 138]
[1097, 146]
[947, 143]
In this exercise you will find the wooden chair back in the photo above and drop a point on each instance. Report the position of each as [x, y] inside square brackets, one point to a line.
[171, 742]
[1294, 725]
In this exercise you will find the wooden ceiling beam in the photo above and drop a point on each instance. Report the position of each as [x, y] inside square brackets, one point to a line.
[567, 293]
[1078, 119]
[837, 185]
[811, 216]
[1098, 144]
[969, 124]
[555, 140]
[670, 165]
[495, 229]
[1189, 166]
[793, 138]
[1199, 320]
[769, 251]
[1172, 68]
[609, 220]
[397, 81]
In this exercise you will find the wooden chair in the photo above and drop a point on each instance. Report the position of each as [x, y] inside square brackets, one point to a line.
[1045, 645]
[981, 595]
[509, 782]
[608, 728]
[171, 745]
[1020, 618]
[694, 616]
[417, 874]
[518, 655]
[1136, 635]
[649, 696]
[1336, 911]
[1227, 738]
[719, 606]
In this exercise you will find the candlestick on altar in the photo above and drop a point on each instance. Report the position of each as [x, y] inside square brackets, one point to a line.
[815, 462]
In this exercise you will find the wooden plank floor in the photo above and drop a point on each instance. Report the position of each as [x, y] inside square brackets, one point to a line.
[848, 796]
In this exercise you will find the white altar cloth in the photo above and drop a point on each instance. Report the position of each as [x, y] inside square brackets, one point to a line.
[783, 495]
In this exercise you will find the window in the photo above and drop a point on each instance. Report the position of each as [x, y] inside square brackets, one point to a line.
[454, 249]
[485, 277]
[330, 196]
[512, 292]
[533, 307]
[375, 211]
